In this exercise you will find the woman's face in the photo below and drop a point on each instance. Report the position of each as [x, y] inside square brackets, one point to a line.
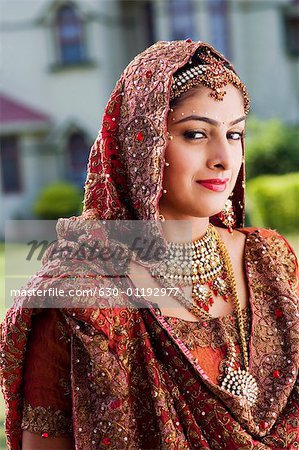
[204, 154]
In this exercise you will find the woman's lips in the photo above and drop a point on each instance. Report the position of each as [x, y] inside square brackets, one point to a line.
[215, 184]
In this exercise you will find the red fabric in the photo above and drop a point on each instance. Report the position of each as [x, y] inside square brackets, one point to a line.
[210, 360]
[48, 368]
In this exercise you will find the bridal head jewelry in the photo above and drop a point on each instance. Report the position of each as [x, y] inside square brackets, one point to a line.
[208, 69]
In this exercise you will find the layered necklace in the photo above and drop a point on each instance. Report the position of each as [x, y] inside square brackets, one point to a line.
[199, 263]
[205, 264]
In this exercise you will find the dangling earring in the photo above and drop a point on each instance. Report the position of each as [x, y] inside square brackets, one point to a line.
[227, 215]
[161, 217]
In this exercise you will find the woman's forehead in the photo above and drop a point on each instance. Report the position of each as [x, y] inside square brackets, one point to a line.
[199, 102]
[202, 94]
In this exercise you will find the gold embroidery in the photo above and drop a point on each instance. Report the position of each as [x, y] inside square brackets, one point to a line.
[46, 420]
[193, 334]
[284, 256]
[274, 341]
[140, 392]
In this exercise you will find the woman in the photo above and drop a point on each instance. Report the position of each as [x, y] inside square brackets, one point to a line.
[216, 373]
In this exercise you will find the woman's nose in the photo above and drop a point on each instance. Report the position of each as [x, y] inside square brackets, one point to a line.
[220, 154]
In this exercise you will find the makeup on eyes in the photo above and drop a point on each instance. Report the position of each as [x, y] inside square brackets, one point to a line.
[190, 134]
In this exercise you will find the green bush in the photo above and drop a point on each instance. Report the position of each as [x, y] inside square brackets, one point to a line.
[58, 200]
[271, 147]
[273, 202]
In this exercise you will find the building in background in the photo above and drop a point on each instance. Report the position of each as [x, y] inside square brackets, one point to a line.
[260, 37]
[60, 61]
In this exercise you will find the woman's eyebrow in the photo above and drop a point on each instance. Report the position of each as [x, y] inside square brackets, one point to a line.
[210, 121]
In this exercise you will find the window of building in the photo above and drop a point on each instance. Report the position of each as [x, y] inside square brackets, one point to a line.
[70, 35]
[148, 11]
[219, 23]
[10, 164]
[78, 152]
[181, 13]
[291, 22]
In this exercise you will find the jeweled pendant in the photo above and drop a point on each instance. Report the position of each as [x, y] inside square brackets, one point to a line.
[201, 292]
[240, 382]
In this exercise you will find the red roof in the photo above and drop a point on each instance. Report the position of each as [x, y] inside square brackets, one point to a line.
[14, 111]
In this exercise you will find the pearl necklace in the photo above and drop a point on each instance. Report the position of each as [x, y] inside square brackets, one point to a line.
[236, 381]
[199, 263]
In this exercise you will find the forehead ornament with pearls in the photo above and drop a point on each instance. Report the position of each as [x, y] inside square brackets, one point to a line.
[210, 72]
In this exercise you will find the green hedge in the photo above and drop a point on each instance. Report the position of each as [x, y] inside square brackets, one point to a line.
[273, 202]
[58, 200]
[272, 147]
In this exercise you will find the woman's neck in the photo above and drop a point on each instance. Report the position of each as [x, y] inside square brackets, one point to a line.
[184, 228]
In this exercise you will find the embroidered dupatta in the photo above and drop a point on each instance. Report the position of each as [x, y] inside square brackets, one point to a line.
[134, 384]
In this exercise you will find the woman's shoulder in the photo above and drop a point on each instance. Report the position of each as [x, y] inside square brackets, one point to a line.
[276, 241]
[280, 250]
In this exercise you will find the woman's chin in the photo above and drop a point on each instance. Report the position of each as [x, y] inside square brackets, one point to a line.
[207, 210]
[193, 208]
[195, 213]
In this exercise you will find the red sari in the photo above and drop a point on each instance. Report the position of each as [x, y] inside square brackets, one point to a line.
[123, 378]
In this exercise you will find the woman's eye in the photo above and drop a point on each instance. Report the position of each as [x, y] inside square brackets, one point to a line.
[194, 135]
[235, 136]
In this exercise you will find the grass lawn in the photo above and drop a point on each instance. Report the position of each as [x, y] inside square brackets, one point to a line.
[294, 241]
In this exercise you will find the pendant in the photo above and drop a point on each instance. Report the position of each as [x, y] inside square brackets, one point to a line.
[202, 294]
[240, 382]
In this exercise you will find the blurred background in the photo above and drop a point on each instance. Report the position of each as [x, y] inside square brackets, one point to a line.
[60, 60]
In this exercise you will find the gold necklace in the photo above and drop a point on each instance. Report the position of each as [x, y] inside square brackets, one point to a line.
[236, 381]
[209, 271]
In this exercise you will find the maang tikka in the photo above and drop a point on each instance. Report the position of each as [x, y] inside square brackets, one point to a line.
[227, 215]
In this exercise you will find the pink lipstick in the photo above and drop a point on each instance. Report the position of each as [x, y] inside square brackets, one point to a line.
[214, 184]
